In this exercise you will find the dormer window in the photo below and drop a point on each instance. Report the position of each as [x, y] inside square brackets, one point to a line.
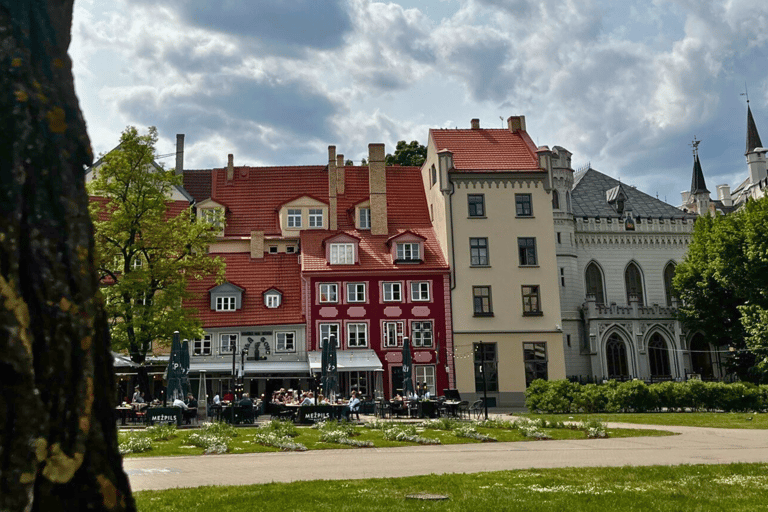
[408, 251]
[273, 298]
[342, 254]
[315, 217]
[226, 303]
[364, 218]
[226, 297]
[212, 213]
[294, 217]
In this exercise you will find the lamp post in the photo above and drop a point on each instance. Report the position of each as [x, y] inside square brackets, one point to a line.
[482, 371]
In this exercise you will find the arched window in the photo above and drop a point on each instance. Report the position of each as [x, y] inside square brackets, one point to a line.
[568, 202]
[701, 357]
[633, 281]
[669, 274]
[616, 358]
[555, 200]
[658, 357]
[594, 280]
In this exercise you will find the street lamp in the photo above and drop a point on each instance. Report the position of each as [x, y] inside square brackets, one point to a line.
[482, 372]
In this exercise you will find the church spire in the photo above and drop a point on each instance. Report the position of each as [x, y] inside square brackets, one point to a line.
[697, 181]
[753, 138]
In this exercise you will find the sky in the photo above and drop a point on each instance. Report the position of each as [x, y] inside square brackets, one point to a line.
[624, 86]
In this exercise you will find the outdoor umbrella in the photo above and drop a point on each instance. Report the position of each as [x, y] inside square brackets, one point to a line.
[324, 366]
[407, 368]
[173, 371]
[332, 374]
[185, 369]
[202, 399]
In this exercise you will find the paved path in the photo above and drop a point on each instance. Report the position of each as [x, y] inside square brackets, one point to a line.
[693, 446]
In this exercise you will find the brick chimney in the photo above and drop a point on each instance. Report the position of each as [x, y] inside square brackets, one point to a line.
[179, 153]
[377, 181]
[340, 174]
[475, 123]
[515, 123]
[332, 184]
[257, 244]
[230, 167]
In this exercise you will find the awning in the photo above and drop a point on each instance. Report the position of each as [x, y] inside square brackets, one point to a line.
[254, 367]
[354, 360]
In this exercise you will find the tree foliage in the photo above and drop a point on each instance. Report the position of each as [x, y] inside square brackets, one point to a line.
[723, 286]
[148, 247]
[411, 153]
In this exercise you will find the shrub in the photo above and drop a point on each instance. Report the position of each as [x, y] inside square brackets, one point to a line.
[632, 395]
[593, 398]
[470, 432]
[160, 432]
[531, 428]
[135, 443]
[594, 428]
[272, 438]
[406, 433]
[218, 428]
[280, 427]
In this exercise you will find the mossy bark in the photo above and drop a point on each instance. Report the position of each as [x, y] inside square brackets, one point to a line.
[58, 442]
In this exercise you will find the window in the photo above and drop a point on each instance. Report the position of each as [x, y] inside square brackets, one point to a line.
[329, 292]
[226, 303]
[669, 275]
[476, 203]
[365, 218]
[523, 206]
[421, 334]
[392, 292]
[315, 217]
[357, 335]
[408, 251]
[555, 200]
[616, 357]
[594, 280]
[420, 291]
[212, 216]
[285, 342]
[393, 334]
[290, 249]
[486, 373]
[329, 331]
[272, 300]
[562, 277]
[342, 254]
[425, 377]
[202, 347]
[294, 218]
[634, 283]
[228, 343]
[531, 303]
[432, 176]
[478, 252]
[481, 298]
[355, 292]
[272, 249]
[558, 238]
[527, 249]
[658, 357]
[138, 262]
[535, 361]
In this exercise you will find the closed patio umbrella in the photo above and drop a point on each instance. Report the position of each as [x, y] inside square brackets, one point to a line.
[324, 366]
[407, 367]
[174, 369]
[202, 399]
[331, 387]
[185, 387]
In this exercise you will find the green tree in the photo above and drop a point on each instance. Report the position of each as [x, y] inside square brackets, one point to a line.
[723, 286]
[407, 154]
[147, 247]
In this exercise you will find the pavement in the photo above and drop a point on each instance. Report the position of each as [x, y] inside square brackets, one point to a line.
[692, 445]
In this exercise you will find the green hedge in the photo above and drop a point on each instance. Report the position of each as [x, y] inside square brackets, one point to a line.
[562, 396]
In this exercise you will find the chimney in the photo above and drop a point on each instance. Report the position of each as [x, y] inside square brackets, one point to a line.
[515, 123]
[230, 167]
[179, 154]
[475, 124]
[340, 174]
[257, 244]
[724, 195]
[332, 178]
[377, 181]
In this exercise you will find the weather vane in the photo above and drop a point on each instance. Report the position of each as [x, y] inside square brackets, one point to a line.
[695, 145]
[745, 93]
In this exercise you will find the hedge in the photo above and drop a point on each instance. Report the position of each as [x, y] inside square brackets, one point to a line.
[562, 396]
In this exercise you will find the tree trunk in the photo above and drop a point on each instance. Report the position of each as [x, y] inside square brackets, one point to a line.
[58, 442]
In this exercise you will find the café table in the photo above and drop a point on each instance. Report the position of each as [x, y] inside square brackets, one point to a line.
[122, 411]
[452, 407]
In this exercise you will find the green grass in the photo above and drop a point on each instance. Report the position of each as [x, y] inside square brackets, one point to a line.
[741, 487]
[245, 443]
[685, 419]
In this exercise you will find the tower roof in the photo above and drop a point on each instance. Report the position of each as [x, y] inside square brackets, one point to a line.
[697, 182]
[753, 138]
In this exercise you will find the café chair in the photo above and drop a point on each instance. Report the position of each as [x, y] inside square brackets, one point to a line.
[464, 409]
[477, 408]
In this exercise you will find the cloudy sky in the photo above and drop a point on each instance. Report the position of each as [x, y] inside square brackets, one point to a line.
[625, 86]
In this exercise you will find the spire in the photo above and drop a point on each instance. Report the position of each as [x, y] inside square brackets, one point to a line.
[753, 138]
[697, 183]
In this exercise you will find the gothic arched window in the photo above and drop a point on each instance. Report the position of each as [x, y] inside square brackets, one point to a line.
[658, 356]
[616, 358]
[555, 200]
[633, 281]
[669, 274]
[594, 280]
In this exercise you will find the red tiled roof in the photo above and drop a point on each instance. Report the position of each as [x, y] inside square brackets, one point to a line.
[373, 251]
[488, 149]
[198, 183]
[280, 271]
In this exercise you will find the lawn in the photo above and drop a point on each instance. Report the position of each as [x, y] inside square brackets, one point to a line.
[741, 487]
[685, 419]
[245, 442]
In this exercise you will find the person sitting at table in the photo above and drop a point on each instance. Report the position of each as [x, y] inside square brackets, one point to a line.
[137, 395]
[191, 402]
[352, 406]
[308, 399]
[246, 401]
[216, 399]
[178, 402]
[229, 396]
[321, 399]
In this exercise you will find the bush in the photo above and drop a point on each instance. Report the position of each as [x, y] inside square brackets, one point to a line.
[135, 443]
[592, 399]
[280, 427]
[160, 432]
